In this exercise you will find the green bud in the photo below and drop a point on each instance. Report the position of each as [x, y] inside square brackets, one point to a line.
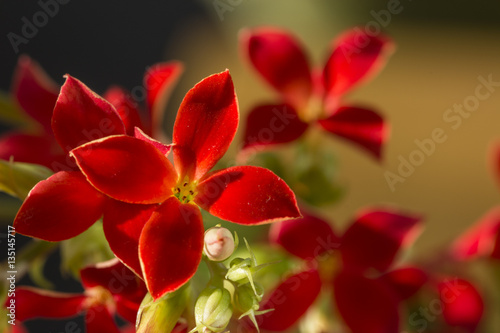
[247, 299]
[213, 310]
[241, 271]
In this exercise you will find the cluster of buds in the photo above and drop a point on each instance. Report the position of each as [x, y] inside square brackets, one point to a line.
[230, 289]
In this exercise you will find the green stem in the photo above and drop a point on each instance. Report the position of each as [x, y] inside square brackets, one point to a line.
[217, 272]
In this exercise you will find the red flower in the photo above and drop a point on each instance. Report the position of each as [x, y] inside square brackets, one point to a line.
[369, 245]
[368, 290]
[153, 225]
[37, 94]
[481, 240]
[314, 96]
[110, 288]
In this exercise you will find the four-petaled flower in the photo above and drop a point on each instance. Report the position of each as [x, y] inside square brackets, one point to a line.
[346, 266]
[110, 288]
[310, 97]
[149, 207]
[360, 272]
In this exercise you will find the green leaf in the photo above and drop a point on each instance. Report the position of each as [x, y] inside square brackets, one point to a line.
[17, 178]
[10, 113]
[88, 248]
[162, 315]
[36, 273]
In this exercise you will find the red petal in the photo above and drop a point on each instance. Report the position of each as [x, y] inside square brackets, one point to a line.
[127, 169]
[268, 125]
[247, 195]
[126, 107]
[122, 225]
[494, 160]
[290, 300]
[355, 58]
[306, 238]
[363, 127]
[481, 239]
[162, 148]
[128, 309]
[374, 239]
[405, 281]
[159, 81]
[80, 116]
[35, 92]
[366, 305]
[99, 319]
[60, 207]
[170, 246]
[115, 277]
[462, 304]
[205, 125]
[34, 303]
[29, 149]
[281, 61]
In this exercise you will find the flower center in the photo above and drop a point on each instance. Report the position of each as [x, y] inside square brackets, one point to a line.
[185, 190]
[328, 265]
[313, 110]
[98, 296]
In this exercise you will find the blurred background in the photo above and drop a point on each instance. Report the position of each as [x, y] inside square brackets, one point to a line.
[443, 48]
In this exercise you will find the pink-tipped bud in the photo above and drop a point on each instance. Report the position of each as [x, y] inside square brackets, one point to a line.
[219, 244]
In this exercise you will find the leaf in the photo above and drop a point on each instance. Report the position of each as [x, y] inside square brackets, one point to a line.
[37, 275]
[17, 178]
[88, 248]
[10, 113]
[162, 315]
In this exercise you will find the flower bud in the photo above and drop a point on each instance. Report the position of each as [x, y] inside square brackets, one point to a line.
[239, 270]
[247, 298]
[219, 244]
[213, 310]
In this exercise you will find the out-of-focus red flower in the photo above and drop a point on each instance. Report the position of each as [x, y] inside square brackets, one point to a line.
[481, 240]
[153, 224]
[110, 288]
[37, 95]
[369, 245]
[314, 96]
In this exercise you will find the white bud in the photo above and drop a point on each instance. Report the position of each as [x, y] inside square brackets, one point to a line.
[219, 244]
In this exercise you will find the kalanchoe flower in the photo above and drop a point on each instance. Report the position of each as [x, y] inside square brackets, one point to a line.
[110, 288]
[314, 96]
[370, 244]
[481, 240]
[37, 94]
[154, 225]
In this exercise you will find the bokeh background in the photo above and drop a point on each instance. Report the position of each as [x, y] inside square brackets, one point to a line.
[442, 50]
